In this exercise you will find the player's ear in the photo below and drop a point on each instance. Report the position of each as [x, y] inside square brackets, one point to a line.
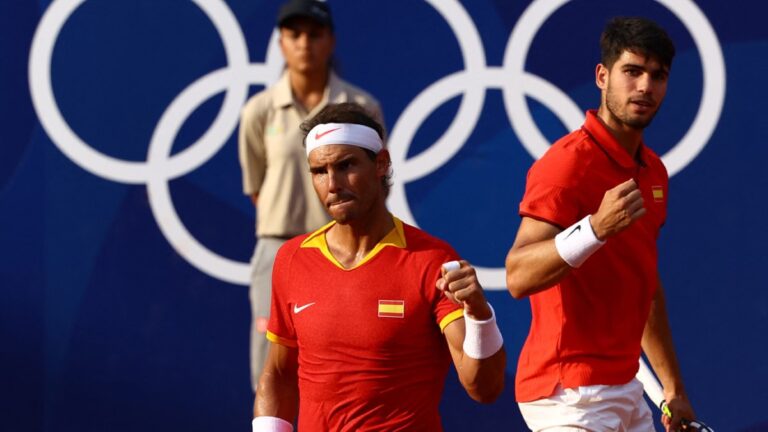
[383, 162]
[601, 76]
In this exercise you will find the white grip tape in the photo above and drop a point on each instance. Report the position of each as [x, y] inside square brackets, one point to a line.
[271, 424]
[482, 338]
[577, 243]
[451, 266]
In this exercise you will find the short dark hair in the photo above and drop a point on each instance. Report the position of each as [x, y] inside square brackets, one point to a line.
[637, 35]
[350, 112]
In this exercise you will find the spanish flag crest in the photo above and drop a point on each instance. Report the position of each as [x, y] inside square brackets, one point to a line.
[658, 193]
[391, 309]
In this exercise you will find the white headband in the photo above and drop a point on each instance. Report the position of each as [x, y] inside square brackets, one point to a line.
[343, 133]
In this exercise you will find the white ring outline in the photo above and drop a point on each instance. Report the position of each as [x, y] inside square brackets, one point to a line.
[161, 167]
[712, 62]
[516, 83]
[471, 83]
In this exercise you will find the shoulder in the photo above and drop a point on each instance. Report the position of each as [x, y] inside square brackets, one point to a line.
[289, 249]
[259, 104]
[568, 160]
[425, 244]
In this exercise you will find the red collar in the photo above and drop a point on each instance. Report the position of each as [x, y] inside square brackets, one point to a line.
[606, 141]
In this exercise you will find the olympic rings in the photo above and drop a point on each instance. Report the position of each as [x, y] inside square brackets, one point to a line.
[472, 82]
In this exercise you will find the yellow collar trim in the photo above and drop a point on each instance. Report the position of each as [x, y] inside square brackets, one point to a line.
[395, 238]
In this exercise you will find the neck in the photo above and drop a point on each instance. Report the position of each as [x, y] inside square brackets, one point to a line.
[628, 137]
[350, 243]
[308, 88]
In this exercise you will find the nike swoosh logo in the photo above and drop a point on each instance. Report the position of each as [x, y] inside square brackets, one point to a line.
[319, 135]
[578, 228]
[297, 308]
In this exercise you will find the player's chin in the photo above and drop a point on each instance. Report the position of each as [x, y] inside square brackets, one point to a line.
[342, 216]
[639, 121]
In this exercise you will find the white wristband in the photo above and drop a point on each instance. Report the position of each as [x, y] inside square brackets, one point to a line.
[271, 424]
[577, 242]
[482, 339]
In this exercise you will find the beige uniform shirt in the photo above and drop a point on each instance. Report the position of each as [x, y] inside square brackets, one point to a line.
[274, 161]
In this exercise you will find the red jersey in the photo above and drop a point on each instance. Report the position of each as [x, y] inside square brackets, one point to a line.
[586, 330]
[372, 355]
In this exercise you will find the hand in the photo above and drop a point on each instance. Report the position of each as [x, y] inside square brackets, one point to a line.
[680, 409]
[462, 287]
[621, 206]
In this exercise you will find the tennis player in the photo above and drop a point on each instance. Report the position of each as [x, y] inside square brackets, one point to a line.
[271, 155]
[586, 256]
[367, 312]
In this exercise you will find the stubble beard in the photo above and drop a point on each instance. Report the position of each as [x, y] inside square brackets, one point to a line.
[361, 213]
[614, 108]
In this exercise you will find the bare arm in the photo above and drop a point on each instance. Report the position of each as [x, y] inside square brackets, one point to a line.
[483, 379]
[255, 199]
[534, 264]
[278, 392]
[658, 347]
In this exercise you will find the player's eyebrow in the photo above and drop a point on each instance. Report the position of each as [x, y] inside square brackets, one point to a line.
[633, 66]
[659, 70]
[342, 159]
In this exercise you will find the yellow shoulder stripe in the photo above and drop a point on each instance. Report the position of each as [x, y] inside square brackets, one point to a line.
[451, 317]
[282, 341]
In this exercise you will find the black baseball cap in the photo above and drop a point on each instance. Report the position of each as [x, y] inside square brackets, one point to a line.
[312, 9]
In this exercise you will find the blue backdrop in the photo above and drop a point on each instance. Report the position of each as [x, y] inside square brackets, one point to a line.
[125, 236]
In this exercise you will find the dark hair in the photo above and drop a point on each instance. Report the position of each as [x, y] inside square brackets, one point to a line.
[637, 35]
[350, 112]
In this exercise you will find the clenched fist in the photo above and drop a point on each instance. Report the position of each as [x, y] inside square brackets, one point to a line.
[621, 206]
[460, 284]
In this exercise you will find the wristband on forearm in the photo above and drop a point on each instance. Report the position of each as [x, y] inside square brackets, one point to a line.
[271, 424]
[577, 243]
[482, 339]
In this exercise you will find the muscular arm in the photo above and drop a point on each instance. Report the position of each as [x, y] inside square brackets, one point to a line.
[658, 347]
[483, 379]
[533, 263]
[278, 391]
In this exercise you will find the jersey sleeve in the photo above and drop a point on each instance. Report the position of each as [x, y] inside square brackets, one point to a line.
[551, 192]
[280, 328]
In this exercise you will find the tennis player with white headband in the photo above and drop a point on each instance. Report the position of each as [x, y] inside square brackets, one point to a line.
[343, 133]
[368, 311]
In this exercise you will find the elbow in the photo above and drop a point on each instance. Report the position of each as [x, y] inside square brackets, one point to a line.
[488, 393]
[516, 291]
[485, 387]
[513, 279]
[514, 285]
[488, 397]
